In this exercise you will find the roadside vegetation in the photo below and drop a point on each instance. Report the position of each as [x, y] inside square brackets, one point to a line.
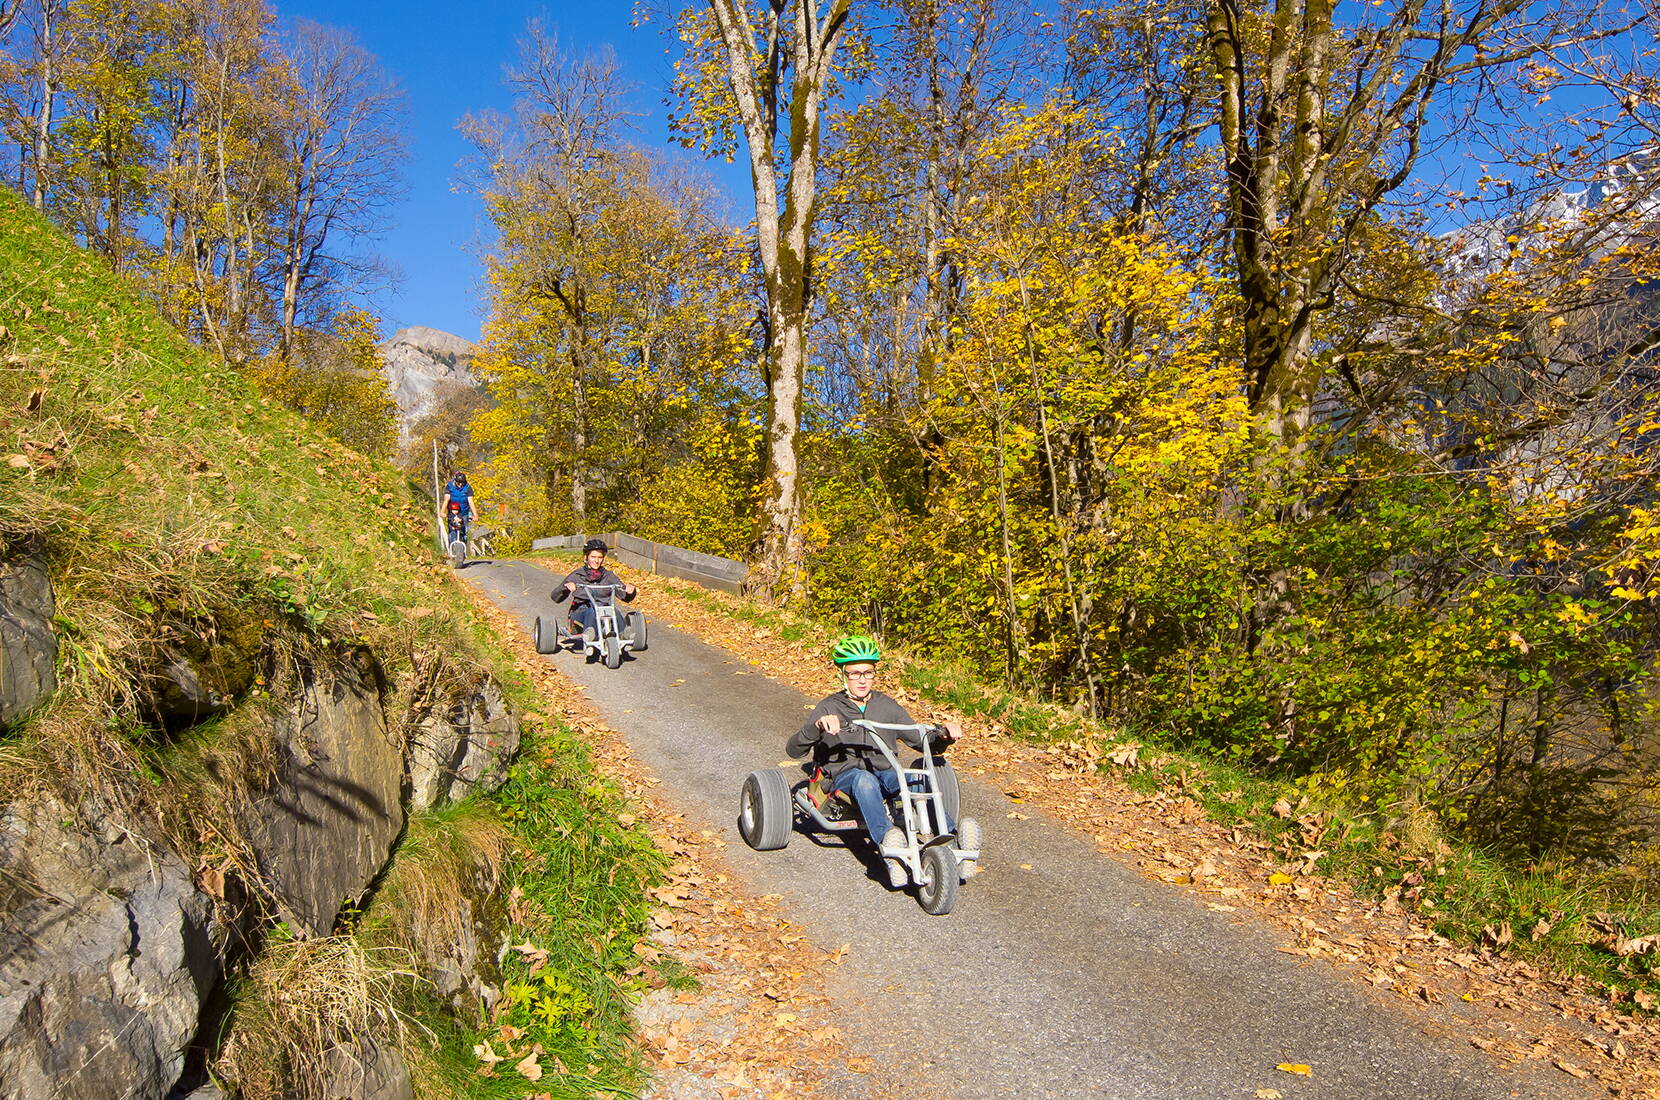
[177, 506]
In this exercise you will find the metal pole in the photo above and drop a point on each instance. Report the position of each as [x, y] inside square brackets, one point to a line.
[437, 504]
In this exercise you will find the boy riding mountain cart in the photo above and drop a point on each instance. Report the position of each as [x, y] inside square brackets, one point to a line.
[591, 572]
[850, 763]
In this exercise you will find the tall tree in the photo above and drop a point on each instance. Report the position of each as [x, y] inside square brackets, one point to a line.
[343, 149]
[613, 292]
[765, 67]
[1320, 122]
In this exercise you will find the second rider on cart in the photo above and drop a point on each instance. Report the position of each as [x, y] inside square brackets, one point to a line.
[593, 571]
[851, 763]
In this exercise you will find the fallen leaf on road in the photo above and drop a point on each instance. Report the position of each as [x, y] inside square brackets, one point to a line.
[1017, 815]
[1570, 1069]
[1297, 1068]
[1268, 1094]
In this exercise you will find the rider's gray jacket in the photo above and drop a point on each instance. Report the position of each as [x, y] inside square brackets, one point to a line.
[852, 747]
[580, 576]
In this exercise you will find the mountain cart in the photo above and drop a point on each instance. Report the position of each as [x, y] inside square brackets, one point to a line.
[456, 535]
[935, 861]
[613, 633]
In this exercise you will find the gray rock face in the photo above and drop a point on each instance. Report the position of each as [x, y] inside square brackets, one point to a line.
[461, 748]
[371, 1072]
[324, 828]
[462, 965]
[28, 648]
[108, 955]
[418, 359]
[199, 667]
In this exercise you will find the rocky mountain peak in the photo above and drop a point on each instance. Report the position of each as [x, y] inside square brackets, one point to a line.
[418, 361]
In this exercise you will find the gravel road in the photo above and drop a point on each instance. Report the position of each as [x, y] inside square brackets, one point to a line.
[1061, 973]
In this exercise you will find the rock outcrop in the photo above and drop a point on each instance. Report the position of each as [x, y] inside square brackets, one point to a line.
[110, 953]
[199, 666]
[369, 1072]
[462, 747]
[323, 828]
[28, 647]
[112, 958]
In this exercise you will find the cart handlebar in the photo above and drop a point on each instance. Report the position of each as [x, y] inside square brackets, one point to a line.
[926, 730]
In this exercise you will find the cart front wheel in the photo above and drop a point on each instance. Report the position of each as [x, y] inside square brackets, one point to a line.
[937, 889]
[764, 816]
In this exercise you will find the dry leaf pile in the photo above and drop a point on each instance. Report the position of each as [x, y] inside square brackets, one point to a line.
[1502, 1005]
[760, 1025]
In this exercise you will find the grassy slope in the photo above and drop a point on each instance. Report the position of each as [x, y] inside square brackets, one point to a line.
[164, 485]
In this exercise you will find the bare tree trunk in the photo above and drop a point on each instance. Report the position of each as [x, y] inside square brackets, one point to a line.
[579, 436]
[48, 96]
[1063, 522]
[807, 45]
[9, 11]
[233, 257]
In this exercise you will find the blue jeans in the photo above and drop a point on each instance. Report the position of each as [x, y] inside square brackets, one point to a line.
[582, 616]
[870, 791]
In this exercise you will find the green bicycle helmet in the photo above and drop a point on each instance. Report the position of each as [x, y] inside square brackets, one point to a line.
[853, 649]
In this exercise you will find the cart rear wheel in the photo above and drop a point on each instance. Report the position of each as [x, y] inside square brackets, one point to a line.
[764, 815]
[949, 791]
[635, 628]
[937, 889]
[547, 635]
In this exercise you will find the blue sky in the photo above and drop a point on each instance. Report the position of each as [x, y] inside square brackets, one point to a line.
[449, 58]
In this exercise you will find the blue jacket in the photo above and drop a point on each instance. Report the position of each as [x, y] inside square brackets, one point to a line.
[462, 495]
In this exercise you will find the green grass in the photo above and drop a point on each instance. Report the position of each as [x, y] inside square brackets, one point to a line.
[576, 890]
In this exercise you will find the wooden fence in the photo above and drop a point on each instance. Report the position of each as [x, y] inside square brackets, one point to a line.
[666, 561]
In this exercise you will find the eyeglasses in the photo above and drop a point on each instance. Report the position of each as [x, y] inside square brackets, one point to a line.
[862, 674]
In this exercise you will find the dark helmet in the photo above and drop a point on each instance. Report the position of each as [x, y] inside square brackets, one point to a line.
[596, 544]
[459, 478]
[855, 649]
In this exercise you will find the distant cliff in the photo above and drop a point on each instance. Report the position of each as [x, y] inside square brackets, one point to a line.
[418, 361]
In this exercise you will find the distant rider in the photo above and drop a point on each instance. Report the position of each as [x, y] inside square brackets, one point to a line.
[458, 497]
[848, 754]
[593, 572]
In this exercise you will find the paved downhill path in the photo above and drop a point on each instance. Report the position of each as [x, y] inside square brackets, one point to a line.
[1077, 978]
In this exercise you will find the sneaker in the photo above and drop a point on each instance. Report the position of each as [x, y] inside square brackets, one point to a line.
[893, 839]
[969, 839]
